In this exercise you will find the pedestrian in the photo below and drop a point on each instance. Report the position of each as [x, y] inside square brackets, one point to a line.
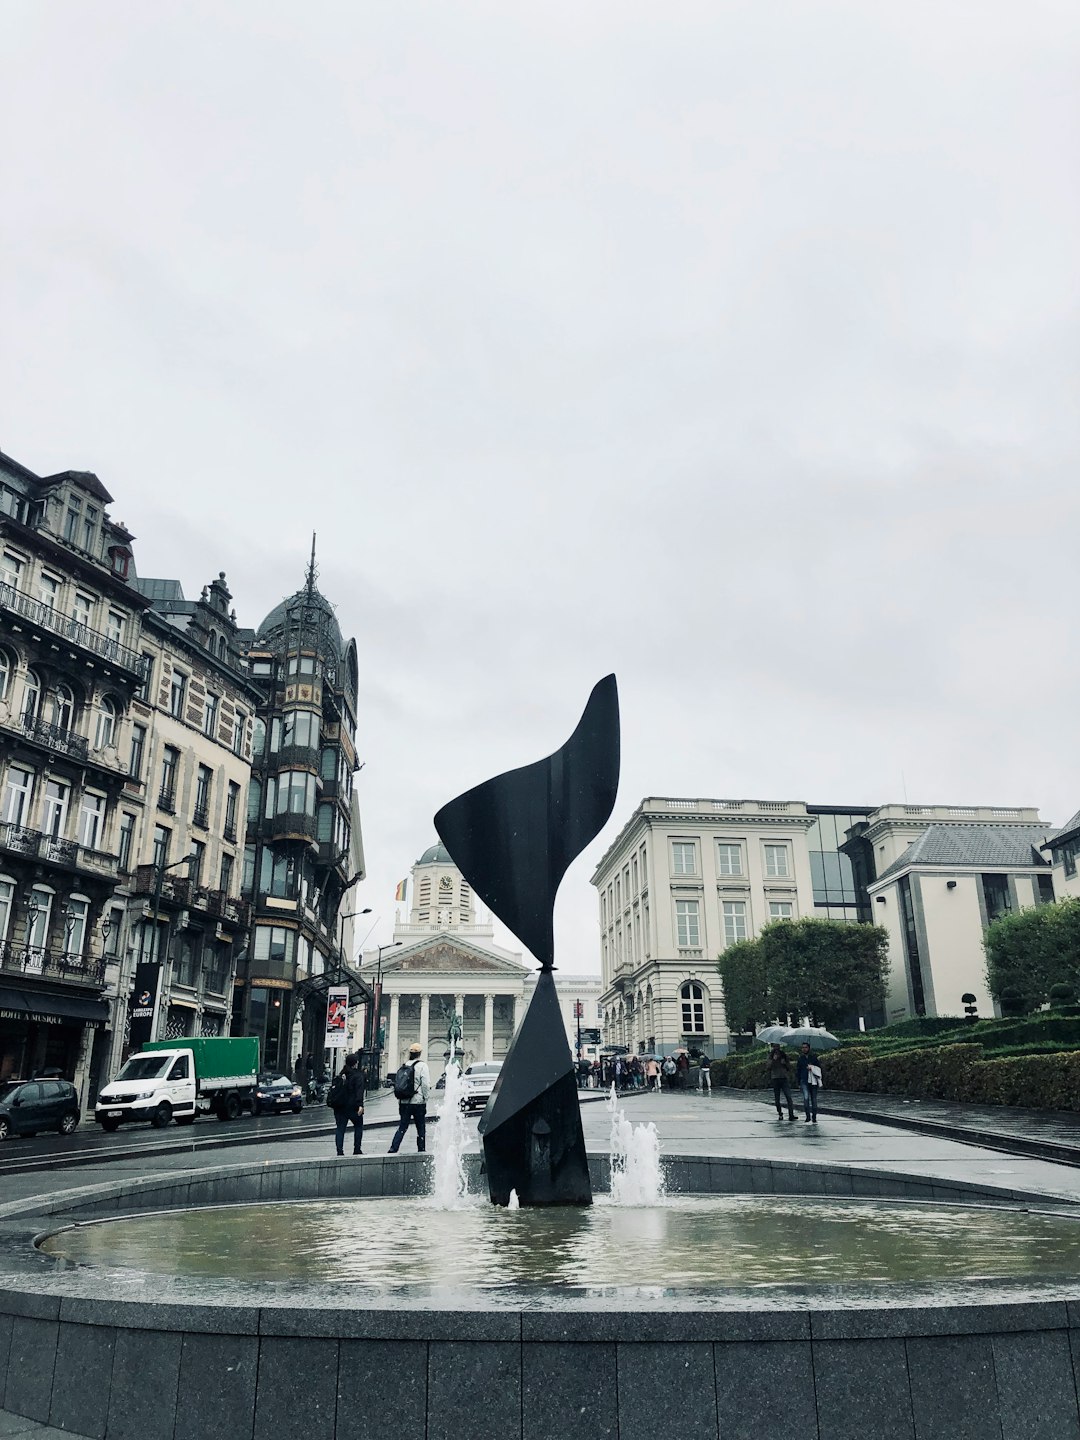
[808, 1074]
[346, 1099]
[683, 1065]
[412, 1086]
[780, 1076]
[652, 1072]
[705, 1076]
[596, 1074]
[668, 1070]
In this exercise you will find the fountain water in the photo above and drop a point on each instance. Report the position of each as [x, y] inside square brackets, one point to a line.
[637, 1176]
[450, 1184]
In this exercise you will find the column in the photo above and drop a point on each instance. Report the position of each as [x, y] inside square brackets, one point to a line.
[459, 1007]
[425, 1020]
[519, 1006]
[489, 1026]
[392, 1040]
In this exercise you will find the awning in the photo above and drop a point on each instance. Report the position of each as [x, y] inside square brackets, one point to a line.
[49, 1009]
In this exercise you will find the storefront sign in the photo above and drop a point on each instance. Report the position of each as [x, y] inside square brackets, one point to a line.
[337, 1017]
[142, 1003]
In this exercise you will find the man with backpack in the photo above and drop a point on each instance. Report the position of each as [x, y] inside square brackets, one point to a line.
[412, 1085]
[346, 1099]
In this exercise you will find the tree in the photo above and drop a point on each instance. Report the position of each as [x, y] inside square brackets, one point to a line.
[742, 974]
[827, 969]
[1031, 951]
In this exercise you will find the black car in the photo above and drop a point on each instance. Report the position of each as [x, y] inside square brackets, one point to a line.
[27, 1106]
[274, 1093]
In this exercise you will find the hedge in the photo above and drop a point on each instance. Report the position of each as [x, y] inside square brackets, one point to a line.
[940, 1072]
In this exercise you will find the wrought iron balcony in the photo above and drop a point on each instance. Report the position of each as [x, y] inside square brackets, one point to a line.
[230, 832]
[18, 840]
[175, 889]
[167, 799]
[292, 824]
[47, 617]
[51, 964]
[200, 816]
[54, 737]
[221, 906]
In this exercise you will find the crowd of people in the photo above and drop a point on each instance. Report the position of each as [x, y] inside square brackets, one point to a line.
[678, 1071]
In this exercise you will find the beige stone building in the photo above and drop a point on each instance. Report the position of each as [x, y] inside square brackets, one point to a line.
[1062, 851]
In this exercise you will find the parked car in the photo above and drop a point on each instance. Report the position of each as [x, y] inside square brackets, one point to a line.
[479, 1082]
[274, 1093]
[27, 1106]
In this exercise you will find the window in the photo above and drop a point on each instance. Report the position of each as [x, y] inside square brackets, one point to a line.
[238, 732]
[7, 671]
[162, 838]
[138, 750]
[39, 913]
[779, 909]
[996, 895]
[228, 864]
[296, 793]
[258, 738]
[196, 856]
[210, 716]
[729, 859]
[692, 1000]
[776, 860]
[734, 920]
[232, 806]
[146, 685]
[1068, 859]
[18, 793]
[203, 780]
[683, 857]
[301, 727]
[262, 667]
[54, 813]
[126, 837]
[75, 914]
[1046, 890]
[82, 609]
[170, 760]
[48, 591]
[89, 528]
[71, 521]
[91, 821]
[114, 627]
[688, 931]
[61, 708]
[177, 693]
[302, 665]
[31, 698]
[105, 733]
[247, 880]
[11, 568]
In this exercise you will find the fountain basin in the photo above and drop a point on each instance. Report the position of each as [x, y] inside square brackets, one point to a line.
[122, 1352]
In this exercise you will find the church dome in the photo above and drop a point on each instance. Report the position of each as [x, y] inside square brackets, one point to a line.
[436, 855]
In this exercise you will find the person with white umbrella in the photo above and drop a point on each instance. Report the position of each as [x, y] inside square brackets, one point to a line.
[779, 1078]
[808, 1074]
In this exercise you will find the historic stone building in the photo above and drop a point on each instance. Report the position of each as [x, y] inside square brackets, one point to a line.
[69, 669]
[442, 962]
[303, 851]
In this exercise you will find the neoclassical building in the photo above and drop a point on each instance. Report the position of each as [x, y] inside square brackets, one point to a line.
[443, 961]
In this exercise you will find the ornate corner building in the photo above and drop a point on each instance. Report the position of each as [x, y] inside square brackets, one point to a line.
[304, 850]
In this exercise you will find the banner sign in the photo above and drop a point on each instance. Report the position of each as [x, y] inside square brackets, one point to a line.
[337, 1017]
[142, 1004]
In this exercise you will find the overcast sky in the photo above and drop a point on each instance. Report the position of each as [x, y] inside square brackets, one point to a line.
[728, 346]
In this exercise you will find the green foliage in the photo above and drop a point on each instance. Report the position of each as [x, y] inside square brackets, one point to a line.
[742, 974]
[1031, 951]
[823, 968]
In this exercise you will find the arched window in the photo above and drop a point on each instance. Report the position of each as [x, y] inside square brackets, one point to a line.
[38, 915]
[106, 723]
[7, 673]
[31, 697]
[62, 707]
[692, 997]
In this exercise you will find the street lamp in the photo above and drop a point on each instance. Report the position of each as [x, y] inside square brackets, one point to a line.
[158, 958]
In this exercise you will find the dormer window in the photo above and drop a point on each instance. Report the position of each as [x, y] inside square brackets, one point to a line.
[71, 521]
[90, 520]
[119, 557]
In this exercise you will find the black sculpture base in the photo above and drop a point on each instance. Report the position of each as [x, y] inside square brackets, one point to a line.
[531, 1128]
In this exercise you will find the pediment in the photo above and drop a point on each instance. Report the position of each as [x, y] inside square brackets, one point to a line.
[444, 957]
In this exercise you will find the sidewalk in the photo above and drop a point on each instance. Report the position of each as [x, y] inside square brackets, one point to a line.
[17, 1427]
[1045, 1134]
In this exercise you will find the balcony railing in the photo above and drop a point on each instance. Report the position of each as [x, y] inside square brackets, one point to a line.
[54, 737]
[292, 823]
[49, 618]
[221, 906]
[51, 964]
[176, 889]
[167, 799]
[200, 816]
[290, 756]
[18, 840]
[230, 832]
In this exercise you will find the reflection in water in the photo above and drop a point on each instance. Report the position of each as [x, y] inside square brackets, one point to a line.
[716, 1242]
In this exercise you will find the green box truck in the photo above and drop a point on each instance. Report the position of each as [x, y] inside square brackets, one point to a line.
[179, 1079]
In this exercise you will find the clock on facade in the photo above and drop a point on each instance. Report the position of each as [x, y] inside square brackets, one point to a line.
[446, 883]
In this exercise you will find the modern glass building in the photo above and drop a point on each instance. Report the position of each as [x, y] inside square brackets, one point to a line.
[839, 891]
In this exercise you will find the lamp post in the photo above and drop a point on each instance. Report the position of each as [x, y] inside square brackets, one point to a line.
[376, 1034]
[160, 959]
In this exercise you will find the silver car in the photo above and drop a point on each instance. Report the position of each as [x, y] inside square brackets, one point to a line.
[479, 1082]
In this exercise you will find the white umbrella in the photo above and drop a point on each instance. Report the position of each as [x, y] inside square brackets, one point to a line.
[772, 1035]
[810, 1035]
